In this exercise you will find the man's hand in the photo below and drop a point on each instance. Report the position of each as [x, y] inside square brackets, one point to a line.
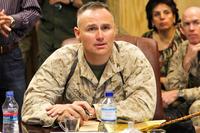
[168, 97]
[74, 110]
[5, 24]
[191, 53]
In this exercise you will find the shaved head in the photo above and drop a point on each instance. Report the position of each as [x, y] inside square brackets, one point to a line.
[190, 11]
[191, 24]
[91, 6]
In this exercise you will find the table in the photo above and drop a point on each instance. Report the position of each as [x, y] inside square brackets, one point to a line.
[24, 128]
[38, 129]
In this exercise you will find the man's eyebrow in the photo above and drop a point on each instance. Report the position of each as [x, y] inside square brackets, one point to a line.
[91, 25]
[191, 21]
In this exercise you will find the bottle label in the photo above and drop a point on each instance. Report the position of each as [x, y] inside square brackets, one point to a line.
[108, 113]
[10, 117]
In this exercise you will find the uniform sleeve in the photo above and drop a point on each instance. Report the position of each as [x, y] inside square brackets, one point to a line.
[30, 12]
[46, 88]
[191, 94]
[140, 89]
[177, 77]
[25, 19]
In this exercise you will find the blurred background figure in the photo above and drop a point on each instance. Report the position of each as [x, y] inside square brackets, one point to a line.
[188, 58]
[163, 22]
[16, 19]
[56, 25]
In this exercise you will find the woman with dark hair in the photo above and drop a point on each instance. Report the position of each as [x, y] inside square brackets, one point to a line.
[163, 22]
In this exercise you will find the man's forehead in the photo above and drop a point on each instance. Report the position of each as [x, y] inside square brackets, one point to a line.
[191, 13]
[92, 12]
[91, 16]
[191, 18]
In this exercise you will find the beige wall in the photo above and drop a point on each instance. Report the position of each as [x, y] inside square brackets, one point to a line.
[131, 17]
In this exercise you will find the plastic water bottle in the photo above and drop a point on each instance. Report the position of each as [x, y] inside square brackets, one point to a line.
[10, 114]
[109, 112]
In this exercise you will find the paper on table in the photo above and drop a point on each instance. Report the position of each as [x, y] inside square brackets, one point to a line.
[144, 126]
[89, 126]
[92, 125]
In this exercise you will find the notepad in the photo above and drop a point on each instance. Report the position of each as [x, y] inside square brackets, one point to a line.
[89, 126]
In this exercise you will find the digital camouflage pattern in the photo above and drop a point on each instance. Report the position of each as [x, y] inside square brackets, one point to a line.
[178, 78]
[135, 99]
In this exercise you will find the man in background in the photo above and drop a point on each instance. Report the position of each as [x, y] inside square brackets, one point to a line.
[17, 17]
[56, 25]
[185, 67]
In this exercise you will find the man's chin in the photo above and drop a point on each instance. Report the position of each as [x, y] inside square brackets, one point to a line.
[194, 42]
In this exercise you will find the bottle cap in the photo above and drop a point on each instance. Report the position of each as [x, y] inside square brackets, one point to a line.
[109, 94]
[9, 93]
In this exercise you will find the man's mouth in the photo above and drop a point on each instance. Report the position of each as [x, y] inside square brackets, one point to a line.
[100, 45]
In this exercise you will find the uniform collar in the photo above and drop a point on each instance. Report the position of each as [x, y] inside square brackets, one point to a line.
[112, 67]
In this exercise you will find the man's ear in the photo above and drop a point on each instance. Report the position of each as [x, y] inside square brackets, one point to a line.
[182, 29]
[77, 33]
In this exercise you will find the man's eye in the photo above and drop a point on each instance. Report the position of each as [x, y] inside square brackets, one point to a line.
[106, 28]
[196, 23]
[186, 24]
[91, 29]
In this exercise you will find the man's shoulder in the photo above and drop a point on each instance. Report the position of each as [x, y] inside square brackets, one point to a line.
[127, 47]
[183, 46]
[65, 53]
[129, 50]
[68, 49]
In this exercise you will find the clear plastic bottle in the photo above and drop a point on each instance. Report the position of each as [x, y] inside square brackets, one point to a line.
[109, 112]
[10, 114]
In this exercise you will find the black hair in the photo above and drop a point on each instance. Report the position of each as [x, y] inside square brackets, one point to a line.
[153, 3]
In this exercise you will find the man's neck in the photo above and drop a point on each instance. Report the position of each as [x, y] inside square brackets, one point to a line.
[97, 60]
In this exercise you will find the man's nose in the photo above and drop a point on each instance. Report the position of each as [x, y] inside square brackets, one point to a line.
[191, 27]
[99, 35]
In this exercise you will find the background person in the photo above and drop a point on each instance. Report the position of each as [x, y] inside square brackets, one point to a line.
[163, 22]
[16, 19]
[163, 19]
[101, 66]
[185, 63]
[56, 25]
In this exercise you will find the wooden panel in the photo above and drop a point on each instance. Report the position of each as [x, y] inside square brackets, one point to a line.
[130, 15]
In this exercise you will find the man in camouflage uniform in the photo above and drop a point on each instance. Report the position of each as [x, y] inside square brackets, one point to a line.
[185, 68]
[102, 65]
